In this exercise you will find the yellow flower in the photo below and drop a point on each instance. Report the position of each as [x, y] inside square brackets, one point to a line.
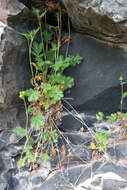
[105, 143]
[34, 64]
[21, 94]
[59, 87]
[93, 146]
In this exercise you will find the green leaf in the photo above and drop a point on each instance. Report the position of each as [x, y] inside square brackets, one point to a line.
[111, 118]
[32, 94]
[29, 109]
[123, 115]
[46, 87]
[38, 120]
[99, 116]
[36, 11]
[60, 79]
[55, 93]
[124, 95]
[27, 149]
[54, 47]
[43, 14]
[46, 136]
[37, 48]
[47, 36]
[21, 163]
[121, 78]
[75, 60]
[31, 140]
[50, 55]
[58, 64]
[33, 33]
[44, 157]
[19, 131]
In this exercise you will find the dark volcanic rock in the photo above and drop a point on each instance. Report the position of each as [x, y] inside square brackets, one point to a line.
[97, 77]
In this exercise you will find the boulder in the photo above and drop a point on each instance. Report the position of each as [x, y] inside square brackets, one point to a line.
[103, 19]
[97, 85]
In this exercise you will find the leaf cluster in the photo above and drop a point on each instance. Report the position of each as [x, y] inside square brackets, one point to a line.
[48, 85]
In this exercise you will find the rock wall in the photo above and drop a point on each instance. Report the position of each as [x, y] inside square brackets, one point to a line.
[14, 67]
[103, 19]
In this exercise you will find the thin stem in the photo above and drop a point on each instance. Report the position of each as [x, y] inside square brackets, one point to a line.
[121, 102]
[27, 120]
[41, 33]
[59, 33]
[69, 32]
[30, 58]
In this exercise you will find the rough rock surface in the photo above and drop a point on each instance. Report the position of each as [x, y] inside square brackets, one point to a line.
[79, 169]
[103, 19]
[13, 58]
[10, 7]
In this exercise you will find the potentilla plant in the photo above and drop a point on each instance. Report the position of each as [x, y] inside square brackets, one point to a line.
[43, 100]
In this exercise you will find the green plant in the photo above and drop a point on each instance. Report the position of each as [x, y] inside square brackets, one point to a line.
[43, 100]
[123, 94]
[100, 136]
[99, 116]
[112, 118]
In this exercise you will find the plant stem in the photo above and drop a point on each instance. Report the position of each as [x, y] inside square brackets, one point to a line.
[69, 33]
[121, 102]
[30, 59]
[41, 33]
[59, 33]
[27, 136]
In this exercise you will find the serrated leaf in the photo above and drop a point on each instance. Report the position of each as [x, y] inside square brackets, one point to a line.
[27, 149]
[38, 120]
[62, 80]
[32, 94]
[123, 115]
[21, 163]
[47, 36]
[46, 87]
[44, 157]
[19, 131]
[37, 49]
[31, 140]
[29, 109]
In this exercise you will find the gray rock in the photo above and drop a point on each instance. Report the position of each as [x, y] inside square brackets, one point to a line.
[15, 67]
[103, 19]
[114, 184]
[97, 85]
[14, 64]
[10, 118]
[10, 7]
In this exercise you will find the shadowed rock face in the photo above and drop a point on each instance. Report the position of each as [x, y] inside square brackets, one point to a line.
[97, 85]
[103, 19]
